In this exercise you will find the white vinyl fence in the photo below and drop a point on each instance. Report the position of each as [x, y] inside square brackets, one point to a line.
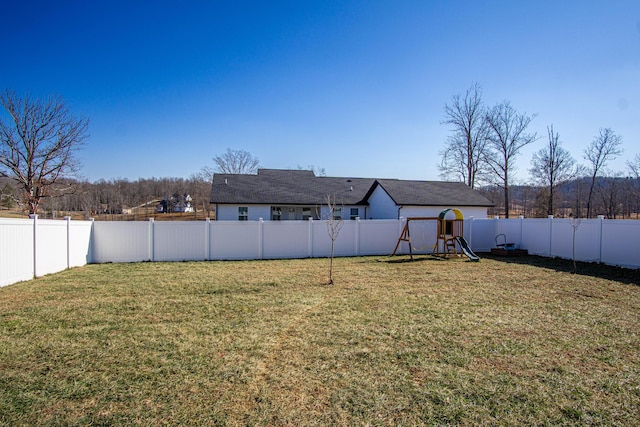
[35, 247]
[236, 240]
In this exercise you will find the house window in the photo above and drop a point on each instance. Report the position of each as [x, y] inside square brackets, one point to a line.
[354, 213]
[243, 213]
[276, 213]
[306, 213]
[337, 213]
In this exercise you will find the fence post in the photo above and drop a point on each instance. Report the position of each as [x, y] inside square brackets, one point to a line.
[601, 220]
[151, 239]
[91, 240]
[34, 217]
[521, 228]
[207, 239]
[260, 237]
[400, 228]
[68, 219]
[357, 236]
[550, 234]
[310, 238]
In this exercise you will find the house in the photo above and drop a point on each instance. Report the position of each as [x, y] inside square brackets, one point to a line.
[175, 203]
[277, 194]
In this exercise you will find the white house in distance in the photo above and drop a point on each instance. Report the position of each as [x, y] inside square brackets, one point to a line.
[278, 194]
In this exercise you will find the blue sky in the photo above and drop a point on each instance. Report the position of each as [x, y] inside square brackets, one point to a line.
[355, 87]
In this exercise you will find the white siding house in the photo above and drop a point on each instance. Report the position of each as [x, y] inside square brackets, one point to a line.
[284, 195]
[381, 205]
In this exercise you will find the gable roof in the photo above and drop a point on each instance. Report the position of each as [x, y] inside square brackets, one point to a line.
[301, 187]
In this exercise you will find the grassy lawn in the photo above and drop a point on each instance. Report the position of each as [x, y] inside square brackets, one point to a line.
[429, 342]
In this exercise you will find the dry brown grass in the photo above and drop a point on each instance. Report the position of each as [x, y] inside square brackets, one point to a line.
[429, 342]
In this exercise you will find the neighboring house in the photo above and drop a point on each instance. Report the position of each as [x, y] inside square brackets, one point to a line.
[175, 203]
[275, 194]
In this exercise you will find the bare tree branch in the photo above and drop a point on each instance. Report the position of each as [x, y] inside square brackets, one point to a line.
[38, 144]
[551, 166]
[334, 223]
[604, 147]
[464, 155]
[507, 136]
[236, 162]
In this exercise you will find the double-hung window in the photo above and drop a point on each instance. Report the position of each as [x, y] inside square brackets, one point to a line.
[337, 213]
[276, 213]
[243, 213]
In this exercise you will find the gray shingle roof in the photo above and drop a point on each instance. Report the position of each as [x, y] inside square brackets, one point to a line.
[287, 187]
[299, 187]
[432, 193]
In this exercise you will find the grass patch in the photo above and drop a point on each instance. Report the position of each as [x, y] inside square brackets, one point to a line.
[430, 342]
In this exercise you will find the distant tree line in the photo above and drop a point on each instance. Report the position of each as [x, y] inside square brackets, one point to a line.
[123, 198]
[485, 141]
[114, 197]
[615, 197]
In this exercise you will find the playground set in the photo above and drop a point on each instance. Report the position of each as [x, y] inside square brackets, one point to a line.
[449, 236]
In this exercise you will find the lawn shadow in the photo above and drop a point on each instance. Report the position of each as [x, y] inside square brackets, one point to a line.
[623, 275]
[405, 258]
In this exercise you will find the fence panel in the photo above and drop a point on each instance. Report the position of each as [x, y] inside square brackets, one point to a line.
[16, 250]
[235, 240]
[51, 246]
[80, 243]
[379, 236]
[346, 243]
[535, 236]
[180, 241]
[621, 242]
[562, 239]
[121, 241]
[587, 234]
[320, 242]
[285, 239]
[480, 234]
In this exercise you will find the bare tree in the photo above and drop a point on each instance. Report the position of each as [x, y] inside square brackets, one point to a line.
[200, 189]
[634, 186]
[38, 144]
[334, 223]
[604, 147]
[464, 155]
[507, 136]
[551, 166]
[235, 161]
[610, 189]
[575, 224]
[634, 166]
[317, 170]
[206, 174]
